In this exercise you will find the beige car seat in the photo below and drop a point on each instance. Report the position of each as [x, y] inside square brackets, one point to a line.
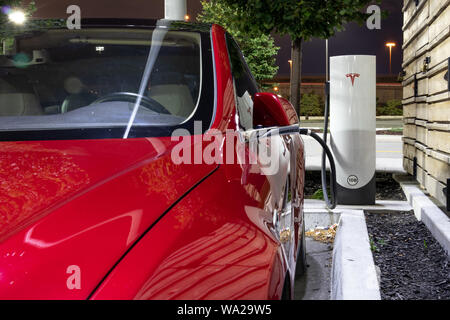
[14, 103]
[176, 98]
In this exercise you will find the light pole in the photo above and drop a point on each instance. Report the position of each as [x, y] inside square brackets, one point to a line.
[175, 10]
[390, 45]
[327, 78]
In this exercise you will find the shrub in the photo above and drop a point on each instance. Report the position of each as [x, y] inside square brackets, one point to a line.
[391, 108]
[311, 105]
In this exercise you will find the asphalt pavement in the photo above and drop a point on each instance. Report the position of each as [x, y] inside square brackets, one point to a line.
[389, 154]
[315, 284]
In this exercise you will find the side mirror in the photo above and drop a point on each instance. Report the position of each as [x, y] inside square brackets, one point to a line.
[270, 110]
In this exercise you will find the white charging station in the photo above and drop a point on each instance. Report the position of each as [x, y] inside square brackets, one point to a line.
[353, 127]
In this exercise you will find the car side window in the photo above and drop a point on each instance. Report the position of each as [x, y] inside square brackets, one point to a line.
[245, 86]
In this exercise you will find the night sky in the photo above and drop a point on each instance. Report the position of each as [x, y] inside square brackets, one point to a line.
[354, 40]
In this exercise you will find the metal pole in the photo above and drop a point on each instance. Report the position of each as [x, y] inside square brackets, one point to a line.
[175, 9]
[327, 74]
[390, 60]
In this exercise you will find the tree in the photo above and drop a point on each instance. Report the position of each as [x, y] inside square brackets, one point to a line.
[258, 48]
[8, 30]
[301, 20]
[7, 5]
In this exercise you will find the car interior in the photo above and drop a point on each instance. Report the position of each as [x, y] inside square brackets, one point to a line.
[59, 71]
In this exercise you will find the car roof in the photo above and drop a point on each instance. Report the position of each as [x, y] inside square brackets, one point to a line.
[144, 23]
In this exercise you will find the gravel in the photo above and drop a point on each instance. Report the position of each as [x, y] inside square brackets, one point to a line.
[413, 265]
[387, 187]
[312, 183]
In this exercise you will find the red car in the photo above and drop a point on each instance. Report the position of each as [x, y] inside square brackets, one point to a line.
[131, 167]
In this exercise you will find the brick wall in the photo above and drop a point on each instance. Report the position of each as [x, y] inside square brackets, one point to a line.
[426, 95]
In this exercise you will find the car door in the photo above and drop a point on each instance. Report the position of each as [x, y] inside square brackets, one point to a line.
[267, 157]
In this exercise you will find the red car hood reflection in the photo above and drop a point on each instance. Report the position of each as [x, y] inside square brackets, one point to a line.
[80, 204]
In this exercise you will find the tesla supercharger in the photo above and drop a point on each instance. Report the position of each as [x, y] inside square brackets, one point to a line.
[353, 127]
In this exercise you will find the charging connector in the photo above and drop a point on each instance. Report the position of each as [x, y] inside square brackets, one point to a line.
[331, 203]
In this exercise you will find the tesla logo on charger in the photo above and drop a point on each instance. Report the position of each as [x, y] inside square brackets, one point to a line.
[352, 77]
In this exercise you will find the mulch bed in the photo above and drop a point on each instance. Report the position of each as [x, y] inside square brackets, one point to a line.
[312, 183]
[387, 187]
[413, 264]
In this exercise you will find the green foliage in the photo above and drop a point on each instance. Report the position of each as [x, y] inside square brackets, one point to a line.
[8, 30]
[301, 19]
[391, 108]
[15, 4]
[312, 105]
[5, 26]
[394, 103]
[8, 43]
[318, 195]
[373, 246]
[259, 49]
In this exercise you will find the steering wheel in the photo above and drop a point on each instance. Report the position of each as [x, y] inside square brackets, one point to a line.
[146, 102]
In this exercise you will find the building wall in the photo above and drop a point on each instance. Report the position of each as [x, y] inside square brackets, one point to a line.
[426, 95]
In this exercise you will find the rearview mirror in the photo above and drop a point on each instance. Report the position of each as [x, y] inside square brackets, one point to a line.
[270, 110]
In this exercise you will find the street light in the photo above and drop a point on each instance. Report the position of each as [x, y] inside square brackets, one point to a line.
[187, 17]
[17, 16]
[390, 45]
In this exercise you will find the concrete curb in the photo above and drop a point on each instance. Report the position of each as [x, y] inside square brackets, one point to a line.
[316, 218]
[428, 212]
[319, 206]
[353, 275]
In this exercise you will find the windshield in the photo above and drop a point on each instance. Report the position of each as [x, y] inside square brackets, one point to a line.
[63, 79]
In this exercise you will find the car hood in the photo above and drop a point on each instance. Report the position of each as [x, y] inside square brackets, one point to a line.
[69, 210]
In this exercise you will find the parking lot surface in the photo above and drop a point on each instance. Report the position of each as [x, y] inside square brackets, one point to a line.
[315, 283]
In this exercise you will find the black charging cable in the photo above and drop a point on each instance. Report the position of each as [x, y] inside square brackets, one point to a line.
[331, 204]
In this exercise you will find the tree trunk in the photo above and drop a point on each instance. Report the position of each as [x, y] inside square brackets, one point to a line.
[296, 73]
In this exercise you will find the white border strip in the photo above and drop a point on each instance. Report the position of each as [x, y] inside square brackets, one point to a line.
[353, 275]
[429, 213]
